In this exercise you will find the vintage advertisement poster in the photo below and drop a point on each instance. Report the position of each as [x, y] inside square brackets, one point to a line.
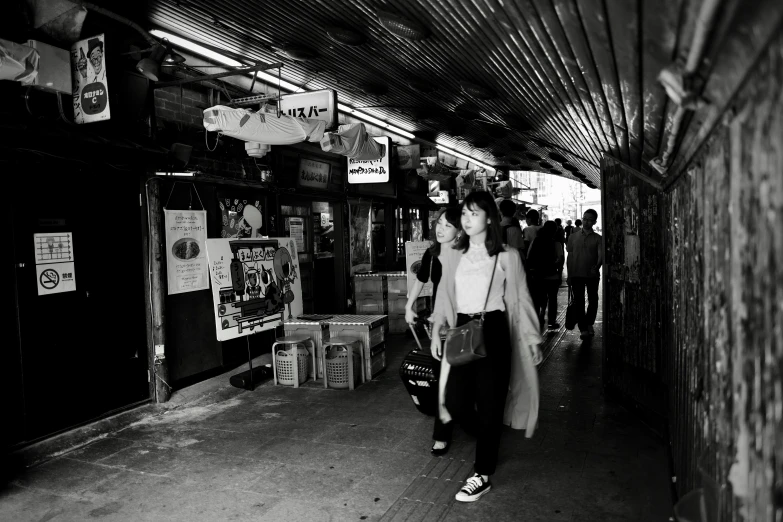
[255, 284]
[54, 263]
[414, 250]
[240, 217]
[371, 171]
[361, 239]
[186, 256]
[88, 73]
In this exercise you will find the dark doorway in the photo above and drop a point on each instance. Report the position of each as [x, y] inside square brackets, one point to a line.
[82, 351]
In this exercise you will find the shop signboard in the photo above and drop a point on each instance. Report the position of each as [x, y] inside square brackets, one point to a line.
[88, 73]
[314, 105]
[414, 250]
[54, 263]
[186, 237]
[313, 173]
[255, 284]
[371, 171]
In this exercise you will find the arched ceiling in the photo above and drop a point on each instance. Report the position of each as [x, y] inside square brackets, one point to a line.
[528, 84]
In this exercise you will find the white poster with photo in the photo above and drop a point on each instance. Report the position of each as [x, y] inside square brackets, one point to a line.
[414, 250]
[255, 284]
[88, 73]
[186, 256]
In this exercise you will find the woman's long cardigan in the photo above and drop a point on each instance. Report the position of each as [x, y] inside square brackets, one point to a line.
[521, 410]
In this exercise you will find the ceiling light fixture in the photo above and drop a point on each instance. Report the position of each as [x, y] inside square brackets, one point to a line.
[460, 155]
[273, 80]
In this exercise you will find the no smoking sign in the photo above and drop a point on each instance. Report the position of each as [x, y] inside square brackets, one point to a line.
[49, 279]
[54, 263]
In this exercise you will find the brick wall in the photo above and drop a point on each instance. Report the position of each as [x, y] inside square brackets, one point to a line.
[179, 114]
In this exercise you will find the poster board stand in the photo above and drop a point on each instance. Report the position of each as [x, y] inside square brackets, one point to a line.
[248, 379]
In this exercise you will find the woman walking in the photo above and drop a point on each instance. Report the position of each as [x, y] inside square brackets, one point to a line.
[503, 387]
[545, 272]
[447, 230]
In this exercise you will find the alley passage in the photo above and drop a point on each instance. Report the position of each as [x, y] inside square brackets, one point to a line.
[280, 454]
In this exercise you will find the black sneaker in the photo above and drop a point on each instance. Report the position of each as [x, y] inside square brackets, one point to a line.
[475, 487]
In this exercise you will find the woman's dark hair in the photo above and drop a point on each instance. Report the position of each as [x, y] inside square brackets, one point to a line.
[453, 215]
[484, 201]
[548, 231]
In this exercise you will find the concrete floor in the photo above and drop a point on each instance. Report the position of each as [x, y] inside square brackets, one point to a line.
[309, 454]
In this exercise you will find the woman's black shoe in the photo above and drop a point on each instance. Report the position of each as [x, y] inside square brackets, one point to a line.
[441, 451]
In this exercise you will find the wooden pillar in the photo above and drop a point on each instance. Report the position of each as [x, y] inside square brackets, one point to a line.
[159, 371]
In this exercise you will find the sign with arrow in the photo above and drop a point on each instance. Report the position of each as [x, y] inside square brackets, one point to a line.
[54, 262]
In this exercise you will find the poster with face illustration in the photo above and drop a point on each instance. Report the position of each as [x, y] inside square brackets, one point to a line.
[255, 284]
[88, 73]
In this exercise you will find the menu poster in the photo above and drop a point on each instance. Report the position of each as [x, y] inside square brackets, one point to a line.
[255, 284]
[88, 75]
[186, 236]
[296, 232]
[414, 250]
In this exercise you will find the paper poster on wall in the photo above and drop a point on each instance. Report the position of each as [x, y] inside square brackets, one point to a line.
[255, 284]
[54, 263]
[296, 231]
[414, 250]
[88, 74]
[186, 256]
[240, 217]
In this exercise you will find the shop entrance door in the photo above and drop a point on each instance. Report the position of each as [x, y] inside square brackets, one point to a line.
[315, 226]
[81, 323]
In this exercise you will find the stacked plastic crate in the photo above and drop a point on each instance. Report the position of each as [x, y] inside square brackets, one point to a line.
[397, 284]
[372, 294]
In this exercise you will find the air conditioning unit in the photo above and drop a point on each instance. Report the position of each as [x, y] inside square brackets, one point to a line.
[54, 67]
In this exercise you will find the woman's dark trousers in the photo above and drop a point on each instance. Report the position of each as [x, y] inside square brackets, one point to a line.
[476, 392]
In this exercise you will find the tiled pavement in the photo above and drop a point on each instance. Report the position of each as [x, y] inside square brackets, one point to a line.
[283, 454]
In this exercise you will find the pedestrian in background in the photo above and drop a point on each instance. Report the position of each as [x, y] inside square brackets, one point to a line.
[585, 257]
[577, 226]
[509, 225]
[568, 229]
[561, 237]
[530, 231]
[545, 272]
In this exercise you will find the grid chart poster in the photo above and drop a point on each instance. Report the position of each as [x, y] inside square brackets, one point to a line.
[414, 250]
[255, 284]
[88, 75]
[186, 256]
[54, 263]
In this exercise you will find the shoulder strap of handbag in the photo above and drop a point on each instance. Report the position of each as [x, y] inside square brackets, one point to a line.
[486, 299]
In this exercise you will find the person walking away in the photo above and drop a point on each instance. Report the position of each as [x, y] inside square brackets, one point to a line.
[447, 230]
[568, 228]
[509, 225]
[481, 275]
[530, 231]
[561, 237]
[585, 258]
[545, 268]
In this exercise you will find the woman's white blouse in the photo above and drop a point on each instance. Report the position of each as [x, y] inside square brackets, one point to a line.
[472, 281]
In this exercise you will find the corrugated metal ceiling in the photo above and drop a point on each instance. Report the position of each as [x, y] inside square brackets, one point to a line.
[550, 80]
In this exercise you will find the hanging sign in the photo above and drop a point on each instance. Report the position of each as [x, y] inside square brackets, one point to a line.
[414, 250]
[88, 73]
[54, 263]
[313, 174]
[371, 171]
[186, 237]
[313, 105]
[255, 284]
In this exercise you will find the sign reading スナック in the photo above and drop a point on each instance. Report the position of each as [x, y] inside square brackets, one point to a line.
[371, 171]
[313, 105]
[54, 263]
[313, 174]
[88, 74]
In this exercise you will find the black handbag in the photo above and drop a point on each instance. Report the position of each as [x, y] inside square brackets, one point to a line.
[465, 344]
[572, 314]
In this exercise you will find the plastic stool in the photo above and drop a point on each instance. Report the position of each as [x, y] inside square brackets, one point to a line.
[348, 342]
[294, 340]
